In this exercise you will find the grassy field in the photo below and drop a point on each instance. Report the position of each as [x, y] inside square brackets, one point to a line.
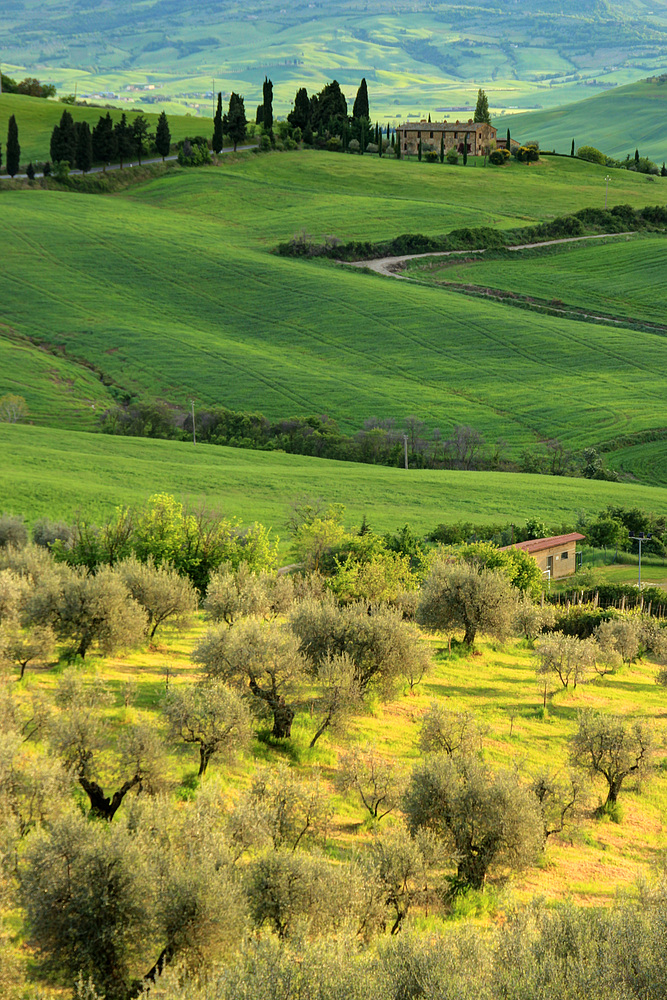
[617, 122]
[36, 118]
[622, 277]
[213, 316]
[45, 472]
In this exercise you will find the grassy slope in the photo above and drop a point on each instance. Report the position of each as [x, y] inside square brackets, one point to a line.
[623, 277]
[170, 291]
[48, 472]
[616, 122]
[35, 119]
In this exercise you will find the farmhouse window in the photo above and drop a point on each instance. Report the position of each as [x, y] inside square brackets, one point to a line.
[430, 135]
[565, 555]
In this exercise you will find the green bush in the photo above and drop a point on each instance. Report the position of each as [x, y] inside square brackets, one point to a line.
[499, 157]
[591, 154]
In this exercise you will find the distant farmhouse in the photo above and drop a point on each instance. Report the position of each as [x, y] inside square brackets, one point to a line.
[479, 137]
[556, 556]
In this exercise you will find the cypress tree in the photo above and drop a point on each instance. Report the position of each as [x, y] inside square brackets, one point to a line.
[84, 147]
[163, 136]
[123, 137]
[508, 139]
[267, 92]
[104, 141]
[663, 172]
[217, 127]
[380, 142]
[0, 157]
[65, 150]
[234, 123]
[13, 148]
[54, 147]
[259, 115]
[299, 117]
[465, 149]
[572, 149]
[419, 153]
[442, 147]
[482, 108]
[429, 117]
[398, 145]
[361, 108]
[636, 155]
[30, 172]
[139, 136]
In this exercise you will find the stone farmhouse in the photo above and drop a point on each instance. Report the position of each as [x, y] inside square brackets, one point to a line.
[479, 137]
[556, 556]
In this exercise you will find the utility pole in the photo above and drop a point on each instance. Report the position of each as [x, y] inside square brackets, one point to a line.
[606, 191]
[405, 443]
[641, 537]
[194, 436]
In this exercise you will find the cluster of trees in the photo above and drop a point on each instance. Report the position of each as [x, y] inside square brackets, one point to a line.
[641, 164]
[30, 87]
[121, 900]
[75, 144]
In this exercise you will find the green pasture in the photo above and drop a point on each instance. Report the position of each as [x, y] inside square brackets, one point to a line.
[48, 472]
[645, 462]
[36, 118]
[616, 121]
[624, 277]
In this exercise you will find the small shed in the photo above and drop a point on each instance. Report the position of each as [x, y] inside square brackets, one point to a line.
[556, 556]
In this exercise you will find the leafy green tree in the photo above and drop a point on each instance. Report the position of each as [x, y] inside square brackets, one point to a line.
[163, 136]
[13, 147]
[360, 108]
[210, 715]
[469, 597]
[234, 122]
[262, 659]
[483, 819]
[267, 115]
[482, 108]
[613, 747]
[139, 136]
[218, 140]
[84, 147]
[328, 108]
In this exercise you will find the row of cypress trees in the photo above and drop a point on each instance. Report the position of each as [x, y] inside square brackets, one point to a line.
[74, 142]
[234, 123]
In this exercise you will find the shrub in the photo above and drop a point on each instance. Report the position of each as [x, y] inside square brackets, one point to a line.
[499, 156]
[452, 156]
[591, 154]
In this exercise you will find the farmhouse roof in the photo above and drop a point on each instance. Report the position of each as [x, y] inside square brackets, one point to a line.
[537, 544]
[469, 126]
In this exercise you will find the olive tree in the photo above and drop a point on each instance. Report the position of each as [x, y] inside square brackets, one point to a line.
[260, 658]
[12, 531]
[621, 636]
[23, 646]
[446, 731]
[234, 594]
[79, 735]
[467, 596]
[400, 864]
[86, 893]
[84, 610]
[531, 619]
[382, 646]
[165, 595]
[339, 694]
[483, 819]
[211, 716]
[566, 657]
[558, 797]
[374, 777]
[613, 747]
[290, 809]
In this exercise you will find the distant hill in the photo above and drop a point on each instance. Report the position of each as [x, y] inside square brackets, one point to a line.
[617, 122]
[418, 55]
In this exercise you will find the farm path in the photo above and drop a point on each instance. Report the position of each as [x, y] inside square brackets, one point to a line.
[387, 265]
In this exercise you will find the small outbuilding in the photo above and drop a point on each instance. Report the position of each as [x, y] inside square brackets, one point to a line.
[556, 556]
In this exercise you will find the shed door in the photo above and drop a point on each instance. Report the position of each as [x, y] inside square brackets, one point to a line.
[550, 564]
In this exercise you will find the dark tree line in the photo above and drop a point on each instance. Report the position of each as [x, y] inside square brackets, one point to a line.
[77, 145]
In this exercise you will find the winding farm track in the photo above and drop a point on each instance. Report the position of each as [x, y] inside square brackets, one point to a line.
[388, 265]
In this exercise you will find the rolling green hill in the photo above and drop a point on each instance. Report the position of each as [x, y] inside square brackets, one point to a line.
[617, 122]
[46, 471]
[170, 293]
[36, 117]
